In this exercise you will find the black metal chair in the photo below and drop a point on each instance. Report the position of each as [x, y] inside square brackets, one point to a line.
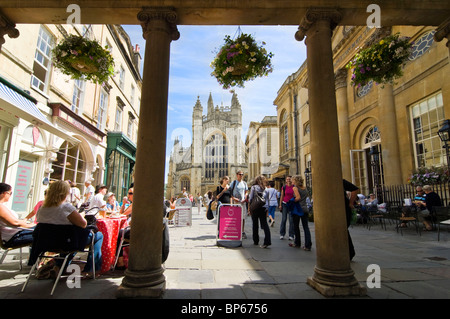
[440, 216]
[409, 217]
[65, 240]
[8, 248]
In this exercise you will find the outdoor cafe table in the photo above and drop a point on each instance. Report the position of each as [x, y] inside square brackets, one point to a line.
[109, 227]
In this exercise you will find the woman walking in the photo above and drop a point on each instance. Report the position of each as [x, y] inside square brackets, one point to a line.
[300, 194]
[259, 214]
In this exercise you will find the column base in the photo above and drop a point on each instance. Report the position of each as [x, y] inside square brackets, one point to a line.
[137, 284]
[154, 292]
[336, 284]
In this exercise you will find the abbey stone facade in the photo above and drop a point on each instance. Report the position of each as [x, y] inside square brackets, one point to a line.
[217, 150]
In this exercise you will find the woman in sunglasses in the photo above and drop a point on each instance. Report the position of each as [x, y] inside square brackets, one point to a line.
[10, 232]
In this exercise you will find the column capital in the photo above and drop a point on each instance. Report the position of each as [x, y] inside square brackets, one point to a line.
[443, 31]
[167, 15]
[313, 15]
[340, 78]
[7, 27]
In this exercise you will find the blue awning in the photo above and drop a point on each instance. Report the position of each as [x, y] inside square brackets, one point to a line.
[22, 107]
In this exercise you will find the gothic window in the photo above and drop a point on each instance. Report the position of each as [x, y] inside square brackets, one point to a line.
[421, 45]
[185, 183]
[216, 157]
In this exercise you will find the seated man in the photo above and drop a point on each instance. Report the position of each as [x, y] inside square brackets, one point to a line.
[432, 199]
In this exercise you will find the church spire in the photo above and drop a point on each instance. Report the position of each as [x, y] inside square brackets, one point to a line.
[234, 101]
[210, 104]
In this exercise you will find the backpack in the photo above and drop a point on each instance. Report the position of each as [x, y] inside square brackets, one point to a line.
[257, 202]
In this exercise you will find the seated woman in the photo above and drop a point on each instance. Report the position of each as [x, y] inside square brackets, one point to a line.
[9, 222]
[111, 203]
[55, 210]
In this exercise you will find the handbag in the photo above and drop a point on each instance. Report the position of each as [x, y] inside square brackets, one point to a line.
[257, 202]
[214, 205]
[91, 223]
[295, 207]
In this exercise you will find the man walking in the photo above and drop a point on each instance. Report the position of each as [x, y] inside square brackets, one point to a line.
[239, 193]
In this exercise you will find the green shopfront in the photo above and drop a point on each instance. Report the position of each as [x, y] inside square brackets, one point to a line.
[120, 160]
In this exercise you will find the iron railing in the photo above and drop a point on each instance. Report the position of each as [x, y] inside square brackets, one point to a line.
[395, 194]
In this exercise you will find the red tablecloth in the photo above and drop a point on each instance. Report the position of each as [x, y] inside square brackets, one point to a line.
[109, 227]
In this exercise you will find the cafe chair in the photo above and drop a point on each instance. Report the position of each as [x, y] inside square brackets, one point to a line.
[8, 248]
[440, 216]
[379, 213]
[124, 242]
[411, 219]
[65, 241]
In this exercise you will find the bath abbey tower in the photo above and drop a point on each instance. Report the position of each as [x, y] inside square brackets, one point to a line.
[216, 150]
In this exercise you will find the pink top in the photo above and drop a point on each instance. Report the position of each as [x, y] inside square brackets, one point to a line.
[288, 193]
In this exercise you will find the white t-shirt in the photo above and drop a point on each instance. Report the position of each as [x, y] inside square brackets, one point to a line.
[89, 190]
[97, 201]
[56, 215]
[239, 189]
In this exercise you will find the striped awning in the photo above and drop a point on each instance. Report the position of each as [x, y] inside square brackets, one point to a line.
[17, 104]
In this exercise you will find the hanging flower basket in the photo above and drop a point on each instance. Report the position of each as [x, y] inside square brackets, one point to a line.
[241, 60]
[83, 58]
[382, 62]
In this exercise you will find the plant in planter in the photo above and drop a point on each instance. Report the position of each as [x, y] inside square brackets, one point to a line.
[83, 58]
[429, 176]
[382, 62]
[241, 60]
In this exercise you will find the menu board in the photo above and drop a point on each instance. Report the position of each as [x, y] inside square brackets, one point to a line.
[230, 222]
[183, 214]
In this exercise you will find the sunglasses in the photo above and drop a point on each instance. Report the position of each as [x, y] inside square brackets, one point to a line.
[240, 174]
[130, 193]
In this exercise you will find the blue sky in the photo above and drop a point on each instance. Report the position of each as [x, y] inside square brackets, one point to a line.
[190, 73]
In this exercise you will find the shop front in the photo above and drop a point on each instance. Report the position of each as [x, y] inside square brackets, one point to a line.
[120, 160]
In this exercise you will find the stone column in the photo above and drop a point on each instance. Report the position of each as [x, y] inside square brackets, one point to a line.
[333, 275]
[344, 130]
[144, 276]
[7, 28]
[443, 31]
[389, 135]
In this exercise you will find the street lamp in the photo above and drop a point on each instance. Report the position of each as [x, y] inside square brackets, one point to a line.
[307, 176]
[444, 135]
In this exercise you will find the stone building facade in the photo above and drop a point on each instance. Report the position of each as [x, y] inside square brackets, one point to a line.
[217, 150]
[56, 128]
[385, 132]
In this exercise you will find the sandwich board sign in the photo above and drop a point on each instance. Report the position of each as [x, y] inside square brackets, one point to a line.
[230, 226]
[183, 214]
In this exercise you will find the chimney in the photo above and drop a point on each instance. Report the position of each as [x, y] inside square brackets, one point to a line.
[137, 58]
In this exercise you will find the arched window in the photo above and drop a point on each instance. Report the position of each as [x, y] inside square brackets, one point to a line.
[216, 157]
[69, 165]
[373, 135]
